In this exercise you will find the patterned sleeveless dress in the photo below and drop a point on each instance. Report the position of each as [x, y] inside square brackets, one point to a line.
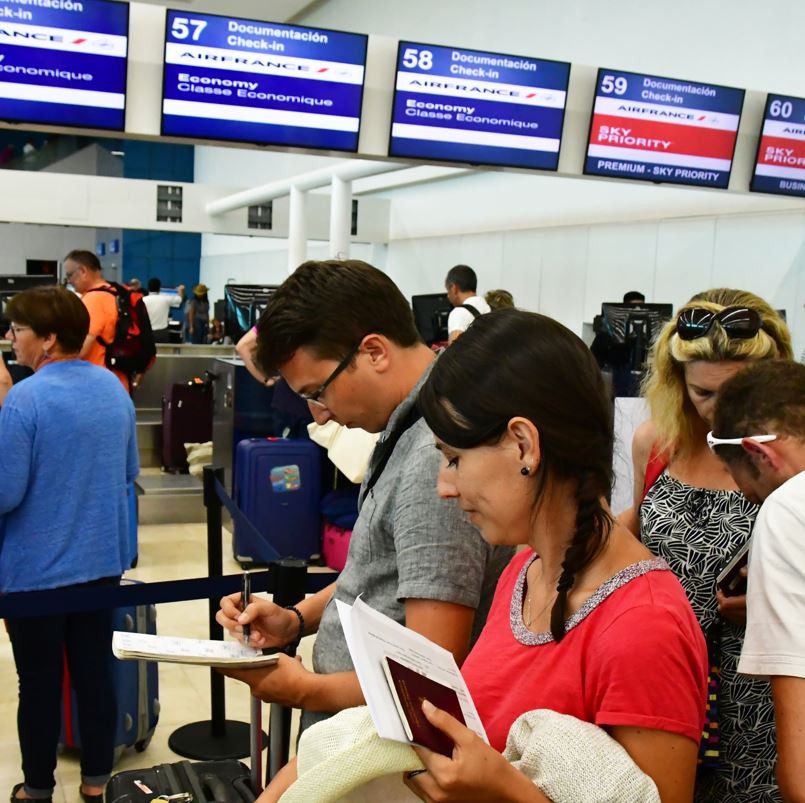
[696, 530]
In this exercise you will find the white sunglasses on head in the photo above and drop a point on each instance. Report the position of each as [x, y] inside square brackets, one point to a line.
[713, 441]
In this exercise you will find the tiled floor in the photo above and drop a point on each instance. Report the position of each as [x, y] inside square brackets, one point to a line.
[168, 551]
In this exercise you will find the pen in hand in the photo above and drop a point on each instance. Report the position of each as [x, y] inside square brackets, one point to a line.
[245, 597]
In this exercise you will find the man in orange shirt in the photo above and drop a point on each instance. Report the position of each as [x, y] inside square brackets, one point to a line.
[83, 271]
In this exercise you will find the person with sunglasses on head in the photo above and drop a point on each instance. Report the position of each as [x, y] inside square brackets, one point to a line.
[63, 523]
[343, 337]
[759, 433]
[688, 510]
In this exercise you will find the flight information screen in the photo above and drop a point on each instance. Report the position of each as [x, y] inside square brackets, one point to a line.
[482, 108]
[261, 82]
[663, 130]
[780, 163]
[64, 62]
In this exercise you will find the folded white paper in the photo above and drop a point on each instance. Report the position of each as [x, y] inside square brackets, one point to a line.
[143, 647]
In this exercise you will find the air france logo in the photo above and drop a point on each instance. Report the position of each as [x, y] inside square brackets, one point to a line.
[333, 73]
[671, 114]
[37, 36]
[95, 43]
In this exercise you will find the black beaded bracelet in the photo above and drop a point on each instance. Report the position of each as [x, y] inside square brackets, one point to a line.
[295, 643]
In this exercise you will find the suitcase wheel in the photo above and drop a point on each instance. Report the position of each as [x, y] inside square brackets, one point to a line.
[143, 743]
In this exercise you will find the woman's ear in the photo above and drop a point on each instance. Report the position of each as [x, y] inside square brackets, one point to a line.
[49, 341]
[525, 438]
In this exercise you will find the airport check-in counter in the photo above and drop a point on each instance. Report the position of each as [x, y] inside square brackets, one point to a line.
[174, 363]
[168, 498]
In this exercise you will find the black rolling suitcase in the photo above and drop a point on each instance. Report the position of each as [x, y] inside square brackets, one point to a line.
[225, 781]
[222, 781]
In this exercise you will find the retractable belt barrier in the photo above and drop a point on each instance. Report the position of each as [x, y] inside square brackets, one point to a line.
[287, 579]
[72, 600]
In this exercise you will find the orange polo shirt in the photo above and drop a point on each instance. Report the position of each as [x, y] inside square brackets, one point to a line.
[102, 308]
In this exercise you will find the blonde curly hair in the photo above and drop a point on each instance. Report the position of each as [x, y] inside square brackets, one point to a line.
[672, 411]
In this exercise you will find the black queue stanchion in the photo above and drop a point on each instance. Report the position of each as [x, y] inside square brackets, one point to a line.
[289, 588]
[217, 737]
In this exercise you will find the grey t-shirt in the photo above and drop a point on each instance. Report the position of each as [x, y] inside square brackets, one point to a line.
[408, 543]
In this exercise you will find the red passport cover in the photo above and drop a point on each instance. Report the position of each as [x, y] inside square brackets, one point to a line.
[411, 689]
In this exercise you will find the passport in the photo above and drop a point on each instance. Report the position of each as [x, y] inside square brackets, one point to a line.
[409, 688]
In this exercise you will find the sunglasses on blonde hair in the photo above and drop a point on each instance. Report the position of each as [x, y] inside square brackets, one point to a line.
[737, 322]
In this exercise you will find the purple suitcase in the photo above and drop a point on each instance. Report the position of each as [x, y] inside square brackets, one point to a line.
[186, 418]
[278, 488]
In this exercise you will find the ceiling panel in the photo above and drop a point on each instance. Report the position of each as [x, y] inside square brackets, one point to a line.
[274, 10]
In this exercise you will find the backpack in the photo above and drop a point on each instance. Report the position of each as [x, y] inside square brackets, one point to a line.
[133, 349]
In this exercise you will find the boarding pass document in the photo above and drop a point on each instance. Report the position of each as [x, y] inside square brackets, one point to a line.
[373, 637]
[140, 646]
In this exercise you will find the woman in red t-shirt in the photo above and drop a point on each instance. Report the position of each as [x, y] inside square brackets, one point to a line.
[585, 621]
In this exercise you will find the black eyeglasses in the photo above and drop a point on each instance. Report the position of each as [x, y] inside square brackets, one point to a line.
[313, 398]
[737, 322]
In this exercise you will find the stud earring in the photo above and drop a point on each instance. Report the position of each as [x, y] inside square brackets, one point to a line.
[525, 471]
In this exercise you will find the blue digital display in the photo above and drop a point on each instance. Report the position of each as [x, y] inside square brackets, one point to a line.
[477, 107]
[63, 62]
[780, 162]
[262, 82]
[663, 129]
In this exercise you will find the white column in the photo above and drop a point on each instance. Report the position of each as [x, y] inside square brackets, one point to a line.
[297, 237]
[340, 217]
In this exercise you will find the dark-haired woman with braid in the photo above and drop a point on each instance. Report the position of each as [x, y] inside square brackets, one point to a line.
[585, 621]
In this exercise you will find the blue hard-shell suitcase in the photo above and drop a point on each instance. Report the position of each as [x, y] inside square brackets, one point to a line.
[137, 685]
[278, 488]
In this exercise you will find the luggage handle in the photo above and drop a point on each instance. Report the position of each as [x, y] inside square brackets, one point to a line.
[194, 783]
[245, 790]
[174, 787]
[216, 787]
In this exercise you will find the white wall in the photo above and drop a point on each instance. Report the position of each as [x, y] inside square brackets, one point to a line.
[21, 241]
[249, 260]
[567, 272]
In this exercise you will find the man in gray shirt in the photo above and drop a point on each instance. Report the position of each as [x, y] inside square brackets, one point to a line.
[343, 337]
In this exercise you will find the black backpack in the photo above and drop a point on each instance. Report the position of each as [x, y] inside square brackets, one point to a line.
[133, 349]
[475, 313]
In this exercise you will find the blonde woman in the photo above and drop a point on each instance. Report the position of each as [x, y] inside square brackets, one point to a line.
[689, 511]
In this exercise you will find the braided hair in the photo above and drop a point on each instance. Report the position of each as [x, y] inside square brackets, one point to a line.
[549, 377]
[593, 524]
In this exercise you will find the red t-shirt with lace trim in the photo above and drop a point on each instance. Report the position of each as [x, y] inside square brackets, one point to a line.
[633, 655]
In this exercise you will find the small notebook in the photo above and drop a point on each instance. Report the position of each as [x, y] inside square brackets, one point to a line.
[143, 647]
[409, 688]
